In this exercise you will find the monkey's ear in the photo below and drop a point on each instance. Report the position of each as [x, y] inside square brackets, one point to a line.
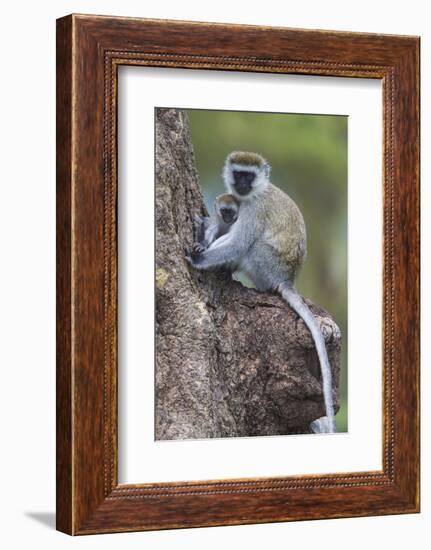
[266, 170]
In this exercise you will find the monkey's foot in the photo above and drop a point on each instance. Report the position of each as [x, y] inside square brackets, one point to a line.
[200, 224]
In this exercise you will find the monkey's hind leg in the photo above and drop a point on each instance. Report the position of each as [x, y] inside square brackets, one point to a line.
[200, 228]
[200, 224]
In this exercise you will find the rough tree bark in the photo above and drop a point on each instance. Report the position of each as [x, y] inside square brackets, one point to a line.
[230, 361]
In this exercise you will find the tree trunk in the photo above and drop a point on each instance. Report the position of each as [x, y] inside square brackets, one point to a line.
[230, 361]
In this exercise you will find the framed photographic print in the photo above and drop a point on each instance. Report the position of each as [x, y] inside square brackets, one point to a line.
[237, 274]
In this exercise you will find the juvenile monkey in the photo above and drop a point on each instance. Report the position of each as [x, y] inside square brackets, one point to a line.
[224, 214]
[268, 243]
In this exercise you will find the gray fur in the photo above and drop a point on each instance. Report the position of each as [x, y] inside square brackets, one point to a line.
[325, 424]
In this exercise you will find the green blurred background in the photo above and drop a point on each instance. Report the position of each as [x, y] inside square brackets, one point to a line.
[308, 158]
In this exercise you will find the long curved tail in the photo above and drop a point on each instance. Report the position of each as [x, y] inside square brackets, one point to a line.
[295, 301]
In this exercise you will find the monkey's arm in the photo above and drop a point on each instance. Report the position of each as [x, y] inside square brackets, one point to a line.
[210, 235]
[224, 250]
[207, 230]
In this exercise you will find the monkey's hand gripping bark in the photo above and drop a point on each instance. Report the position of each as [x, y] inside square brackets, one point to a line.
[222, 252]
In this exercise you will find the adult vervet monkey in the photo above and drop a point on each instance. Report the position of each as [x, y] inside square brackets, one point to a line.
[268, 243]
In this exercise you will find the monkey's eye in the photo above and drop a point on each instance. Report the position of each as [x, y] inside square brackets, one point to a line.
[244, 175]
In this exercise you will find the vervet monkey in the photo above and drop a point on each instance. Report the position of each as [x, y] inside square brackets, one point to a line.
[268, 243]
[224, 214]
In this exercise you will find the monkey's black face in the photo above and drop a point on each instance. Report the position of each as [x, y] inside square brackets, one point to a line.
[243, 181]
[228, 214]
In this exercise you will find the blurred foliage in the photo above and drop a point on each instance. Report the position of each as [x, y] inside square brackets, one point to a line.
[308, 158]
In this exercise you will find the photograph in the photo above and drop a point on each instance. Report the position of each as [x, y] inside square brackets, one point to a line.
[252, 328]
[215, 255]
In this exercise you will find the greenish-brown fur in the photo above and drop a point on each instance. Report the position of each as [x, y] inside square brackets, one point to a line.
[248, 159]
[227, 198]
